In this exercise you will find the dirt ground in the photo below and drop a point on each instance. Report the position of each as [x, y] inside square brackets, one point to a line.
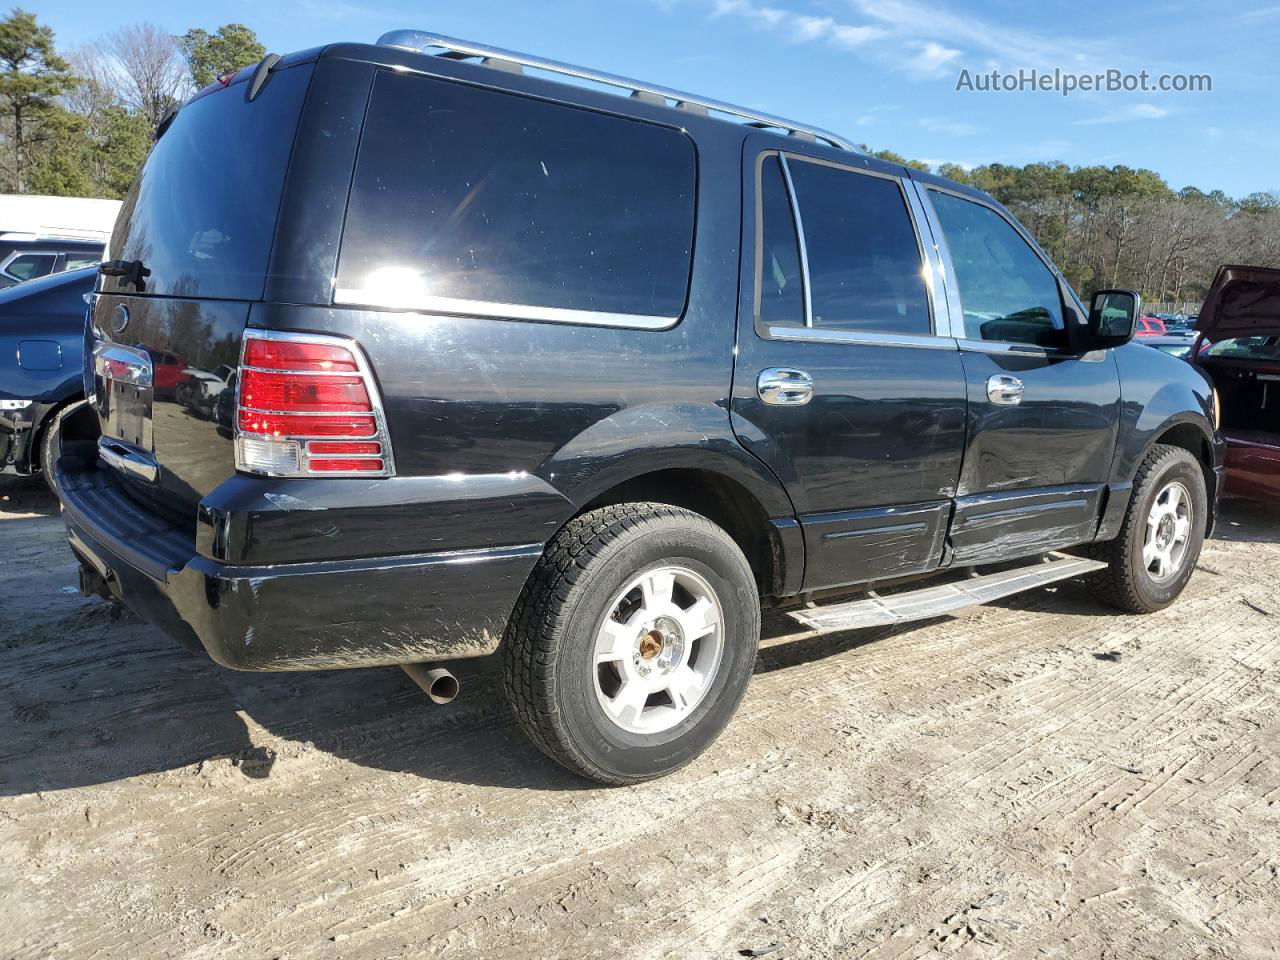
[1039, 778]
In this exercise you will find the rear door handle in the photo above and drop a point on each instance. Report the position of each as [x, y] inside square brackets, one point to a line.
[1005, 390]
[784, 387]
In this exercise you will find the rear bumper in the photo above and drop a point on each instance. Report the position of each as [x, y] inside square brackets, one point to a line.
[292, 616]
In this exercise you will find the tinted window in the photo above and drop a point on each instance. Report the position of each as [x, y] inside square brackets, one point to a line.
[202, 212]
[781, 294]
[28, 265]
[469, 194]
[865, 272]
[1007, 292]
[77, 260]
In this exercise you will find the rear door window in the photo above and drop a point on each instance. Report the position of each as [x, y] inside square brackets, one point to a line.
[864, 260]
[779, 282]
[202, 213]
[489, 203]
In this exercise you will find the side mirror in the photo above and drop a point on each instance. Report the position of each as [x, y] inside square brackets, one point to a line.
[1113, 315]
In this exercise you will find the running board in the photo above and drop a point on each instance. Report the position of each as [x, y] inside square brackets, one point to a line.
[877, 611]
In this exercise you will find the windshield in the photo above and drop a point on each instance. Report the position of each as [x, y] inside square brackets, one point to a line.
[1248, 348]
[202, 213]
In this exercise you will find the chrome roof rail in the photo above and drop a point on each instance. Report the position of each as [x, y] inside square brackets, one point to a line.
[420, 41]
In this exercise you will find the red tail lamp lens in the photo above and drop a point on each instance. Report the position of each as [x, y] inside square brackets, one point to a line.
[287, 393]
[345, 466]
[292, 355]
[342, 448]
[283, 425]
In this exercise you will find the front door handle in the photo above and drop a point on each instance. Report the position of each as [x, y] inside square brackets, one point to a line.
[784, 387]
[1004, 389]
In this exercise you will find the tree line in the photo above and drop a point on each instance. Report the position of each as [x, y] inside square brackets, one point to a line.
[80, 124]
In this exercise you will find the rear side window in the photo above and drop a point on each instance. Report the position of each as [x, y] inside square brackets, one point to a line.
[779, 281]
[1006, 291]
[475, 201]
[202, 213]
[865, 268]
[27, 265]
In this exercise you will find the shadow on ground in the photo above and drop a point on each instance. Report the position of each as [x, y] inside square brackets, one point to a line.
[90, 694]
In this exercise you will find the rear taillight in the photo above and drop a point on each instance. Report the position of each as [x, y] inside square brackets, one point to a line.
[308, 406]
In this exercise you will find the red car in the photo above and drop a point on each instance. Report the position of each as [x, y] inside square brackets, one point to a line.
[1238, 346]
[1150, 327]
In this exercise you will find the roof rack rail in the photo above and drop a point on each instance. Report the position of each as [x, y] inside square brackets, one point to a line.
[420, 41]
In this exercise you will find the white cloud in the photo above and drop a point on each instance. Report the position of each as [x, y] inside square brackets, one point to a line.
[1260, 13]
[1138, 111]
[1007, 46]
[931, 59]
[799, 27]
[954, 128]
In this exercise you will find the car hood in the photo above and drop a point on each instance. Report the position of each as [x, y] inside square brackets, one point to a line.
[1243, 302]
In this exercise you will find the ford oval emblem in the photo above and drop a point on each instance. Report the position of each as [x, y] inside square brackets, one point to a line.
[119, 318]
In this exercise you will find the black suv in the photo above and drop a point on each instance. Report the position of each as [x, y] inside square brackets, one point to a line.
[494, 362]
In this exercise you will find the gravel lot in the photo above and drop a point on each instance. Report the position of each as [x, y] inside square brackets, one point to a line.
[1036, 778]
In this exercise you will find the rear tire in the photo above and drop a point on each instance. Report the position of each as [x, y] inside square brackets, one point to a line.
[633, 641]
[48, 449]
[1153, 557]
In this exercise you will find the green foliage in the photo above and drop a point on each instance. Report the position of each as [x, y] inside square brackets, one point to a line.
[32, 77]
[210, 55]
[61, 166]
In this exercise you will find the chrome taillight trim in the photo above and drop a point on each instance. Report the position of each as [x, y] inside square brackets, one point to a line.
[381, 434]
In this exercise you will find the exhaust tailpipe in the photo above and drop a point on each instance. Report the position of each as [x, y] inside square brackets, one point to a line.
[436, 682]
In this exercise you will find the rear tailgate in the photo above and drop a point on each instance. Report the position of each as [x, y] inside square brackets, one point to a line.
[193, 241]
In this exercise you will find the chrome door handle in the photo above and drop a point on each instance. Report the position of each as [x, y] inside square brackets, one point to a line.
[784, 387]
[1004, 389]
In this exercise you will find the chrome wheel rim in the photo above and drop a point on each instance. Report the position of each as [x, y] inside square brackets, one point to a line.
[1168, 535]
[658, 650]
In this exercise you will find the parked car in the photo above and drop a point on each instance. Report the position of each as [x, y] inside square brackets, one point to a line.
[44, 235]
[42, 329]
[1177, 346]
[528, 367]
[1239, 348]
[1150, 327]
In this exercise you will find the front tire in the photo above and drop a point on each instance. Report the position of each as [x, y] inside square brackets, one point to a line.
[633, 642]
[1153, 557]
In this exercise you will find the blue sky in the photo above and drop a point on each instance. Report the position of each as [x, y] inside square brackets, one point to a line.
[882, 72]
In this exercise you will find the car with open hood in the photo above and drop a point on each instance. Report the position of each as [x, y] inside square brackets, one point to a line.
[1238, 346]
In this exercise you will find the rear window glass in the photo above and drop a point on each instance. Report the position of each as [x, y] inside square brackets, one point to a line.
[471, 200]
[865, 269]
[202, 213]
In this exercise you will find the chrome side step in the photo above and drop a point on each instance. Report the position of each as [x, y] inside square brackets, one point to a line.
[878, 611]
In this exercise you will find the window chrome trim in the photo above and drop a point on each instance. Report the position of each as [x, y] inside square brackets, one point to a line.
[487, 309]
[870, 338]
[930, 266]
[936, 279]
[806, 288]
[1006, 346]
